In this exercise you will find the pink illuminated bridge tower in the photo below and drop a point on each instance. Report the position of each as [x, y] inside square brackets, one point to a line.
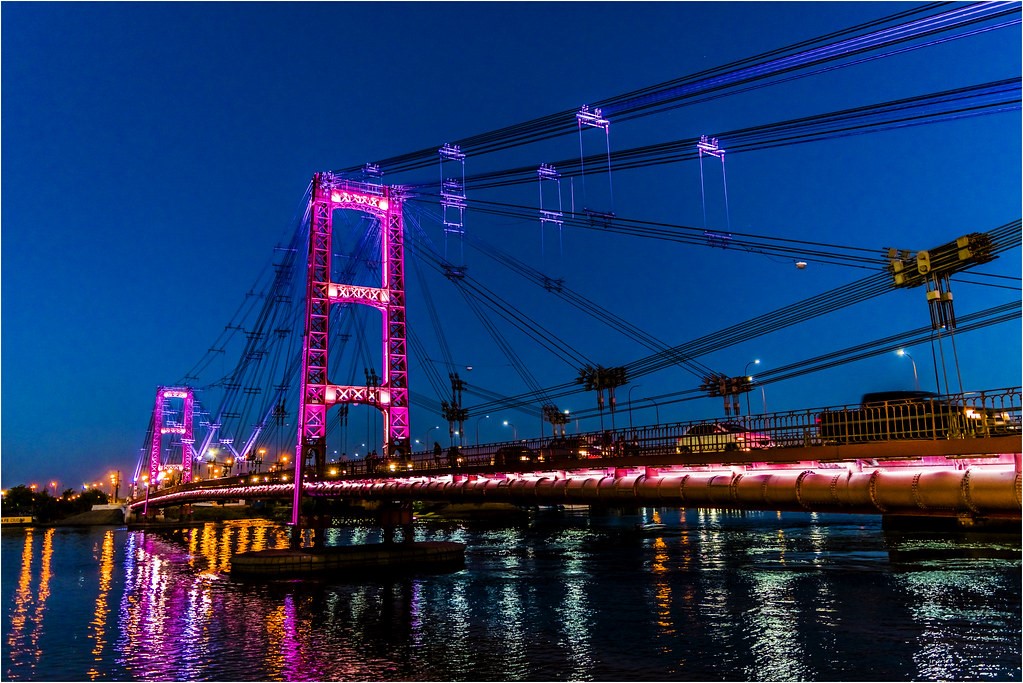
[317, 393]
[162, 427]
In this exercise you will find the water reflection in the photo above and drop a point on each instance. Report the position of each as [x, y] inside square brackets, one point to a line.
[575, 614]
[42, 594]
[960, 616]
[776, 648]
[99, 618]
[575, 596]
[22, 601]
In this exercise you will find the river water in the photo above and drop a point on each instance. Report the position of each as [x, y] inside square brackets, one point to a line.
[560, 596]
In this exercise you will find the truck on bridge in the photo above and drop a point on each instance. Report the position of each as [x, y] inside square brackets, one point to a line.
[892, 415]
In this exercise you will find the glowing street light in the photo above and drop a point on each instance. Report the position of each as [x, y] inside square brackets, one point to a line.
[426, 436]
[916, 378]
[745, 373]
[515, 431]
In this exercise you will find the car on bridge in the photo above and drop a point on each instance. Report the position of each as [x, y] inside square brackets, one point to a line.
[515, 455]
[573, 448]
[721, 436]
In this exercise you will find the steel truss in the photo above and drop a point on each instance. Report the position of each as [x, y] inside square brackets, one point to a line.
[317, 393]
[162, 427]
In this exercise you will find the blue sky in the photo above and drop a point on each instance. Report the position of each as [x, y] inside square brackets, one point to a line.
[154, 154]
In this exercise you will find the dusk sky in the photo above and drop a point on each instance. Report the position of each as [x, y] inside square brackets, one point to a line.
[154, 155]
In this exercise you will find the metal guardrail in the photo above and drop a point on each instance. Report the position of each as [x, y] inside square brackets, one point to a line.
[972, 414]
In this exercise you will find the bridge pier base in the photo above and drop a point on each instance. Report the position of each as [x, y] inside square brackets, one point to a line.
[393, 515]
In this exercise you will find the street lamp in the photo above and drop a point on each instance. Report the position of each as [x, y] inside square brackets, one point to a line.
[115, 483]
[745, 373]
[485, 417]
[916, 378]
[426, 436]
[630, 403]
[515, 431]
[657, 411]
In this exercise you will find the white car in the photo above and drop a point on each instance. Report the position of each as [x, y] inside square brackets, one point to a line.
[721, 436]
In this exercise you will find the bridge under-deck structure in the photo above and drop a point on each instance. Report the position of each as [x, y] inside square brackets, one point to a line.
[973, 479]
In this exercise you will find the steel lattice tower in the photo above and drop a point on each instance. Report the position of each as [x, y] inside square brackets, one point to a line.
[184, 429]
[317, 394]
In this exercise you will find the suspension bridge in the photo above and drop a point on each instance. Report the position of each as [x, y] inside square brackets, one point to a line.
[273, 409]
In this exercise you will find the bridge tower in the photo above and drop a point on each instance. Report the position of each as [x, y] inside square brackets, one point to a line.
[317, 394]
[162, 427]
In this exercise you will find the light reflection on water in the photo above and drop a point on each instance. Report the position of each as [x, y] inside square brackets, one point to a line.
[566, 596]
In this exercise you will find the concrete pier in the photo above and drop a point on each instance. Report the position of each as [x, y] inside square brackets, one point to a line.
[427, 556]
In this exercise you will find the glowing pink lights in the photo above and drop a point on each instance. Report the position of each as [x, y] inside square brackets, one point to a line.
[912, 488]
[317, 394]
[364, 201]
[184, 429]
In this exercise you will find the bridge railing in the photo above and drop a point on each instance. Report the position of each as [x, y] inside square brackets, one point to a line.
[980, 414]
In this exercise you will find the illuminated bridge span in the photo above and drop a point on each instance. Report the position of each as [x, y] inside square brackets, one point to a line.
[953, 457]
[331, 336]
[990, 491]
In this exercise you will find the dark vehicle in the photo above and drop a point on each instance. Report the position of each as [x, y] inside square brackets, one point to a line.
[880, 397]
[892, 415]
[572, 448]
[515, 455]
[721, 436]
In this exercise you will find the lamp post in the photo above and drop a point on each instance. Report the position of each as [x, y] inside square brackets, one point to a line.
[115, 480]
[630, 403]
[916, 377]
[485, 417]
[745, 373]
[657, 411]
[515, 431]
[426, 436]
[211, 457]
